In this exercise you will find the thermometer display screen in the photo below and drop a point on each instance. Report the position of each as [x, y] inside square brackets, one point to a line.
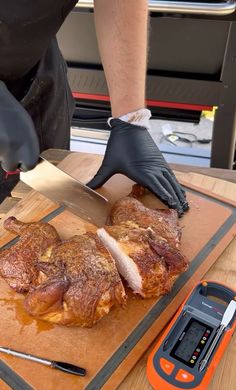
[191, 342]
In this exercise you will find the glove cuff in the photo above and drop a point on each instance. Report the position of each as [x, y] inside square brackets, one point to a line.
[138, 118]
[116, 123]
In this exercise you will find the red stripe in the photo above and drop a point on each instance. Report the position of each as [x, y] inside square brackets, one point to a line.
[7, 174]
[150, 103]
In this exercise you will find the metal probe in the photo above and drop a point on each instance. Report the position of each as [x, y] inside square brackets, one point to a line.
[62, 366]
[227, 317]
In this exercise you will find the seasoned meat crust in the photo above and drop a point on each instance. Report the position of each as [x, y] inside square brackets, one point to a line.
[18, 264]
[77, 281]
[163, 222]
[85, 283]
[74, 282]
[145, 244]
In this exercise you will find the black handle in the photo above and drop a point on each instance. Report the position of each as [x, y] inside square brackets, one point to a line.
[69, 368]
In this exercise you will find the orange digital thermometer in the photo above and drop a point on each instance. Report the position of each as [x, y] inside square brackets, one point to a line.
[192, 345]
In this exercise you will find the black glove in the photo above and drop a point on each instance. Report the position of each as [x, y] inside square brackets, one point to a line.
[19, 147]
[132, 152]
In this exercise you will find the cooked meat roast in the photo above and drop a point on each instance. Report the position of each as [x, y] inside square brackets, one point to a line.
[76, 281]
[82, 285]
[18, 264]
[145, 245]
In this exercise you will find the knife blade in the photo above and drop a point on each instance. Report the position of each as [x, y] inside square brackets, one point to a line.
[65, 190]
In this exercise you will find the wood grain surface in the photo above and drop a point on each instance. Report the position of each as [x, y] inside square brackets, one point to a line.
[4, 386]
[223, 270]
[91, 348]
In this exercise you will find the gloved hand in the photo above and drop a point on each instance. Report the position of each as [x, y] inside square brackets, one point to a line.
[132, 152]
[19, 147]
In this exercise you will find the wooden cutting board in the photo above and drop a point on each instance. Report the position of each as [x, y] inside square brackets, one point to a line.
[111, 348]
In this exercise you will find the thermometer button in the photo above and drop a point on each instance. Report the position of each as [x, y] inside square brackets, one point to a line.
[166, 366]
[184, 376]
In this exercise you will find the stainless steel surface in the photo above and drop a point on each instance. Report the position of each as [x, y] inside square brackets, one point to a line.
[26, 356]
[227, 317]
[67, 191]
[177, 7]
[90, 134]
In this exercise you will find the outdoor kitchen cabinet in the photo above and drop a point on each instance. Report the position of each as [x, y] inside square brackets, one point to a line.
[192, 66]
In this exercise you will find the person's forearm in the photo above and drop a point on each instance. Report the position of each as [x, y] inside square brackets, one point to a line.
[121, 27]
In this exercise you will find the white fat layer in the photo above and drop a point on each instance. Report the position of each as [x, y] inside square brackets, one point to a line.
[125, 265]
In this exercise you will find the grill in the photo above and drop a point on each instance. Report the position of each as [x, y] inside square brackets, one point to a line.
[192, 67]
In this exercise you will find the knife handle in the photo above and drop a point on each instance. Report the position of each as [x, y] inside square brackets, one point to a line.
[68, 368]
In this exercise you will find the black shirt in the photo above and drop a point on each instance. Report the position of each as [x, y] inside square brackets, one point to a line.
[27, 28]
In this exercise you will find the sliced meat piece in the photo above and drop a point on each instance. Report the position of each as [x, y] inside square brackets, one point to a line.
[145, 245]
[136, 260]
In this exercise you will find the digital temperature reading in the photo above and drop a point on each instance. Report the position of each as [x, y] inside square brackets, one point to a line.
[191, 342]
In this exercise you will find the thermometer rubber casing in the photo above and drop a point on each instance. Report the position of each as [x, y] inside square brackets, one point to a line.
[175, 361]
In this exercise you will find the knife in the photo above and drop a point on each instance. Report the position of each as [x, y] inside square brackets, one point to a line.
[65, 190]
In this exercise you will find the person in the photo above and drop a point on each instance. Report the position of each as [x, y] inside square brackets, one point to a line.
[36, 103]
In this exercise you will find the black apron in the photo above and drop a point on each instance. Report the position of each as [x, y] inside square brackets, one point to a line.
[33, 69]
